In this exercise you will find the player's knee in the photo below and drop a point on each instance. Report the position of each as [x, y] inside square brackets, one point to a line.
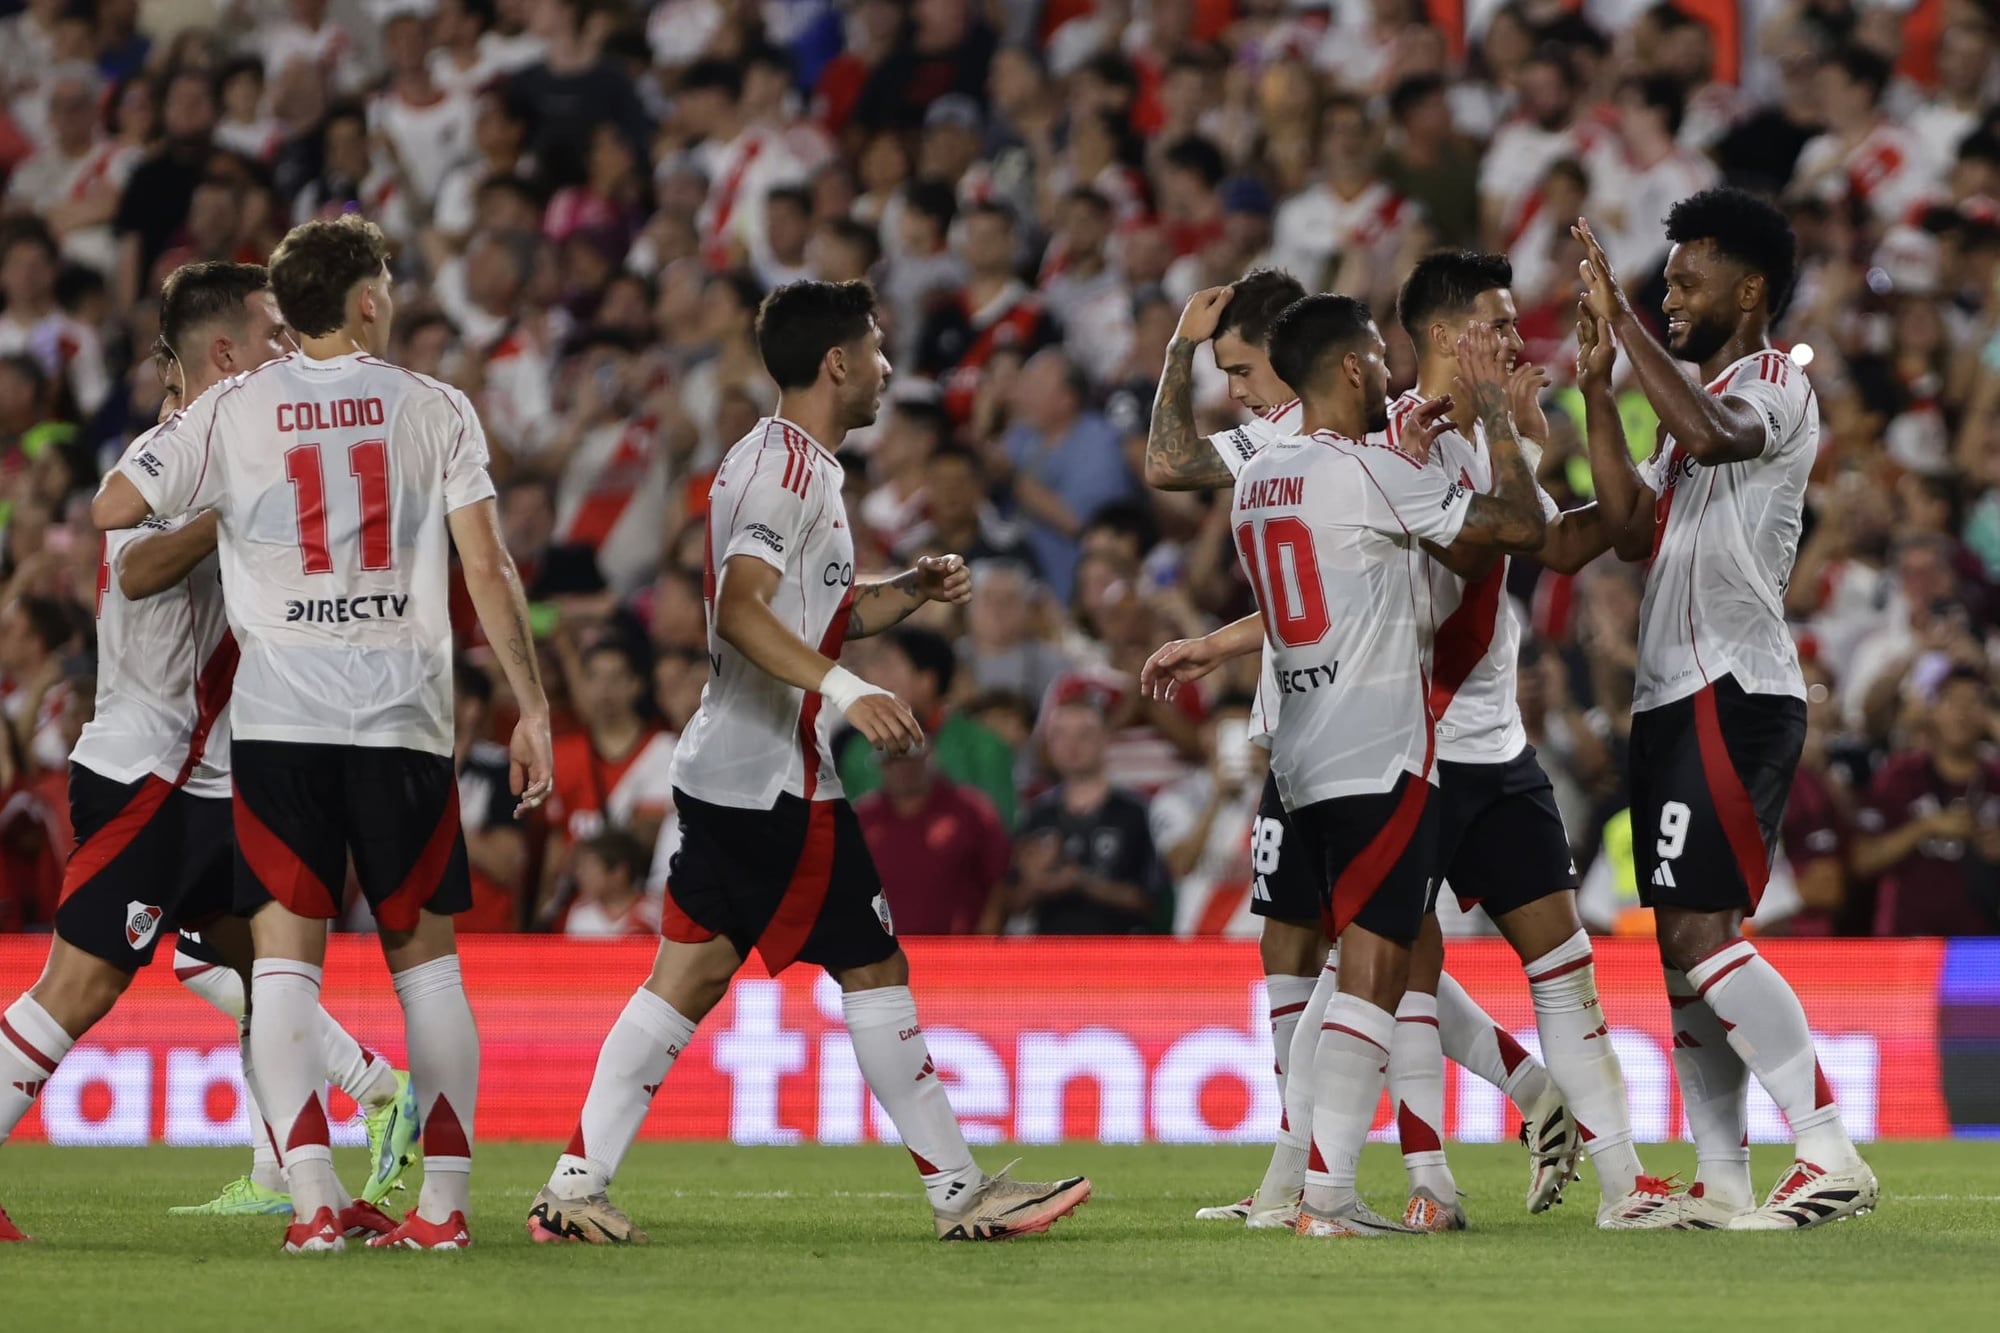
[1685, 938]
[1292, 948]
[891, 971]
[78, 990]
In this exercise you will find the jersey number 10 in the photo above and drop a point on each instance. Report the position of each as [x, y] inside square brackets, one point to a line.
[1296, 623]
[368, 461]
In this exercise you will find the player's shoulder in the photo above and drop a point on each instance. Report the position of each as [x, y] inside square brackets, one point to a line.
[417, 387]
[775, 453]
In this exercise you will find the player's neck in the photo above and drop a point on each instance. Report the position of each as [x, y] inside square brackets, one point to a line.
[1434, 380]
[1955, 767]
[1748, 340]
[1344, 420]
[816, 415]
[328, 346]
[616, 739]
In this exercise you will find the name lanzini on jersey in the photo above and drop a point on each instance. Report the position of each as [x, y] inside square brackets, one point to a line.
[1270, 492]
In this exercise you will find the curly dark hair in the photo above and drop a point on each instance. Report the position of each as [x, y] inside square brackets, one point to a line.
[1744, 228]
[1447, 282]
[1257, 299]
[801, 322]
[318, 264]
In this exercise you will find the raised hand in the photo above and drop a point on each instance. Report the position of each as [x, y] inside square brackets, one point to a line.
[1430, 420]
[944, 578]
[1602, 293]
[1202, 313]
[1525, 386]
[1596, 352]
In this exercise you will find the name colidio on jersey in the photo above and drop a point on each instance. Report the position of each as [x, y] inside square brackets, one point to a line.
[343, 610]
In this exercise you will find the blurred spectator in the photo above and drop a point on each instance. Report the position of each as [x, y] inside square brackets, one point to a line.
[957, 518]
[1084, 862]
[941, 850]
[572, 90]
[1004, 649]
[1430, 163]
[34, 634]
[1864, 158]
[1343, 232]
[72, 182]
[154, 202]
[1930, 824]
[496, 844]
[426, 129]
[1819, 821]
[1202, 827]
[609, 456]
[32, 322]
[917, 666]
[1153, 743]
[550, 570]
[992, 313]
[611, 897]
[898, 468]
[1067, 462]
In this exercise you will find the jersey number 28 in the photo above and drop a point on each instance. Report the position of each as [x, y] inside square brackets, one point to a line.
[368, 461]
[1295, 608]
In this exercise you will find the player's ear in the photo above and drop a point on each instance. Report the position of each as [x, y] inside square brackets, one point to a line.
[1350, 366]
[1750, 291]
[836, 363]
[1441, 340]
[222, 354]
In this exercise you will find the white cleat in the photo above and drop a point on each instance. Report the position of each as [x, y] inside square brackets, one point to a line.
[1285, 1217]
[1351, 1221]
[1550, 1134]
[1228, 1212]
[1810, 1195]
[1653, 1205]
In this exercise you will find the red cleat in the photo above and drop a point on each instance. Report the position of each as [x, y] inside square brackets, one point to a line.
[417, 1234]
[8, 1231]
[320, 1234]
[360, 1220]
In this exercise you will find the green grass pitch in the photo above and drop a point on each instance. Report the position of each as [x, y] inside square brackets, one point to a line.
[830, 1239]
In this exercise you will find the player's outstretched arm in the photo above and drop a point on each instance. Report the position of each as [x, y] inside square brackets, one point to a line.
[1624, 508]
[1187, 660]
[1714, 430]
[1510, 518]
[118, 504]
[885, 603]
[1179, 458]
[744, 620]
[495, 587]
[161, 560]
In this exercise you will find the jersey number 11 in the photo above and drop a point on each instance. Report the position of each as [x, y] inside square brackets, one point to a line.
[368, 461]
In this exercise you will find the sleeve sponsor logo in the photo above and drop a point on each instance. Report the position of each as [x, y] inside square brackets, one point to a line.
[149, 461]
[1453, 494]
[1241, 441]
[769, 536]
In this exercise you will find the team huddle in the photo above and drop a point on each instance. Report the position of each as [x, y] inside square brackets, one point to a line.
[275, 702]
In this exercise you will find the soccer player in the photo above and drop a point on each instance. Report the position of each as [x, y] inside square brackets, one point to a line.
[1327, 525]
[339, 482]
[1718, 709]
[1300, 977]
[771, 855]
[149, 782]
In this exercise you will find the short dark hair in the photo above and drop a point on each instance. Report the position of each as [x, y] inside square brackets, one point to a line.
[1256, 300]
[1447, 282]
[742, 284]
[236, 68]
[30, 230]
[1746, 229]
[1557, 57]
[1127, 518]
[928, 417]
[47, 621]
[1664, 95]
[936, 200]
[858, 234]
[1981, 145]
[929, 653]
[1195, 154]
[619, 648]
[349, 108]
[197, 295]
[801, 322]
[964, 453]
[1866, 67]
[1089, 196]
[1310, 328]
[318, 264]
[616, 849]
[485, 11]
[713, 75]
[1408, 93]
[993, 208]
[797, 195]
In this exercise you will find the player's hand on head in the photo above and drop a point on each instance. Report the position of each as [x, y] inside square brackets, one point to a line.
[889, 726]
[531, 765]
[1202, 313]
[944, 578]
[1600, 284]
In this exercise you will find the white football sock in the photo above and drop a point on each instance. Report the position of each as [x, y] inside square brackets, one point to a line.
[1286, 1174]
[1416, 1092]
[641, 1047]
[1289, 997]
[1576, 1042]
[1349, 1070]
[896, 1064]
[264, 1168]
[285, 1049]
[1472, 1040]
[218, 985]
[444, 1064]
[1715, 1085]
[353, 1068]
[1767, 1029]
[32, 1044]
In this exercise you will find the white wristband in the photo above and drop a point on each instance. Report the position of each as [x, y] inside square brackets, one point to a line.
[843, 689]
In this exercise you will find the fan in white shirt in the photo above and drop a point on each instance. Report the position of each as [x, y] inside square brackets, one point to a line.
[1636, 177]
[1864, 157]
[1350, 217]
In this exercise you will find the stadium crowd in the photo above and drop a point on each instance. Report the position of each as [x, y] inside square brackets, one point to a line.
[589, 198]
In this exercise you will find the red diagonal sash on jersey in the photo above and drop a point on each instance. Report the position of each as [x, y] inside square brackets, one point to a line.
[211, 696]
[1466, 635]
[612, 492]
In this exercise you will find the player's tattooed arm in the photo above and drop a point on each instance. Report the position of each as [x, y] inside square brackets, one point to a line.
[1178, 457]
[886, 603]
[1713, 430]
[1509, 518]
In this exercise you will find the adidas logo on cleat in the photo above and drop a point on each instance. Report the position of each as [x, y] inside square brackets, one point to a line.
[994, 1231]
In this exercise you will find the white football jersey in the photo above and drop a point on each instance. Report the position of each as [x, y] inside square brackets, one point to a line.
[1724, 539]
[164, 667]
[776, 497]
[1235, 447]
[1328, 530]
[1477, 651]
[332, 480]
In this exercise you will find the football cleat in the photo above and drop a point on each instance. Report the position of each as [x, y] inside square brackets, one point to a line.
[1549, 1133]
[1427, 1212]
[361, 1219]
[1810, 1195]
[1652, 1205]
[1351, 1221]
[594, 1220]
[1002, 1207]
[1285, 1217]
[393, 1131]
[320, 1234]
[1228, 1212]
[8, 1231]
[242, 1197]
[417, 1234]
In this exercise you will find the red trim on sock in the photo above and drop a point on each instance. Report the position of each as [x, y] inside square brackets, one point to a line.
[1703, 987]
[1511, 1054]
[1413, 1134]
[47, 1065]
[1822, 1090]
[1285, 1009]
[1315, 1162]
[1561, 970]
[924, 1168]
[1342, 1027]
[1682, 1001]
[575, 1148]
[1583, 1132]
[190, 973]
[1418, 1018]
[309, 1129]
[443, 1135]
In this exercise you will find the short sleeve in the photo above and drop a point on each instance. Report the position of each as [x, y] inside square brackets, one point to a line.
[1171, 816]
[174, 466]
[466, 479]
[767, 517]
[1239, 444]
[1401, 495]
[1782, 396]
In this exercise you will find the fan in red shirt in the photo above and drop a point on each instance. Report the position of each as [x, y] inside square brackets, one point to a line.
[611, 900]
[940, 848]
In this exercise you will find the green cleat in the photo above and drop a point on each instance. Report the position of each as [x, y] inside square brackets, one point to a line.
[243, 1197]
[393, 1129]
